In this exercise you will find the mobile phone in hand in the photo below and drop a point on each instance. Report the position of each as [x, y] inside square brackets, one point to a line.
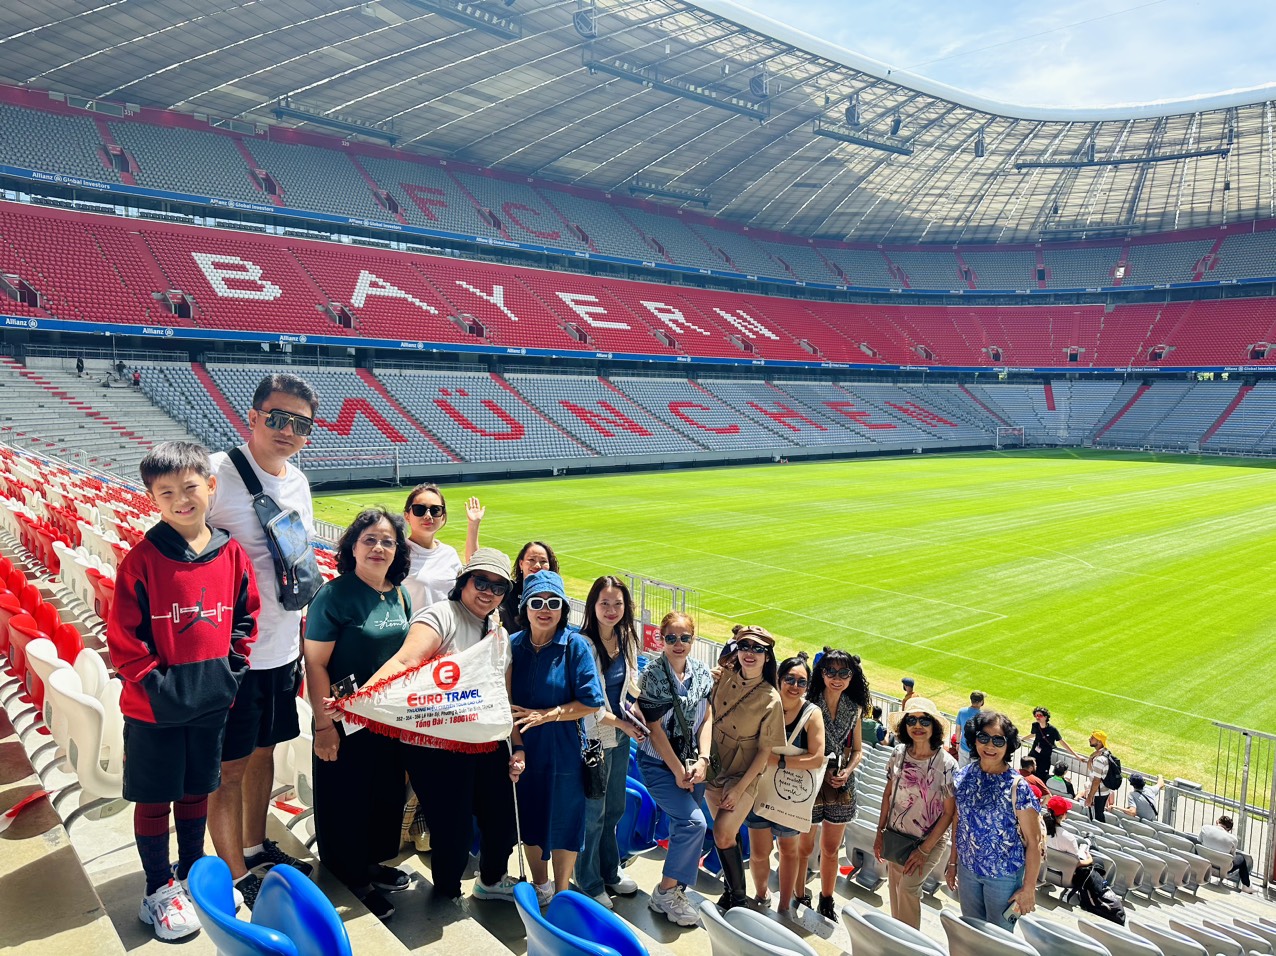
[344, 687]
[1011, 913]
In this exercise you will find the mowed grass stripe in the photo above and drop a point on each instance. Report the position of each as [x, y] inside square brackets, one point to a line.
[1125, 592]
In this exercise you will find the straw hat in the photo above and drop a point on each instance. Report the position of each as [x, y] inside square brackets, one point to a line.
[919, 705]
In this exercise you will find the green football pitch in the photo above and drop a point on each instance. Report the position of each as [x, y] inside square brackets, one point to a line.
[1126, 592]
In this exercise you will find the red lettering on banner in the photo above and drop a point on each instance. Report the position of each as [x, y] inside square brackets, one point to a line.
[782, 415]
[514, 432]
[915, 411]
[509, 207]
[447, 674]
[676, 409]
[352, 407]
[860, 417]
[424, 202]
[598, 422]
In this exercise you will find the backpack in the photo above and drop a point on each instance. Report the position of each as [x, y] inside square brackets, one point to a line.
[1096, 896]
[1112, 779]
[297, 576]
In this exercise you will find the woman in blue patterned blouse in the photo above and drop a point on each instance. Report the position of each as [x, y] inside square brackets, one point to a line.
[996, 853]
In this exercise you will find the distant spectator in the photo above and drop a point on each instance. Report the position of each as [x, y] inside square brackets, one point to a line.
[137, 378]
[1142, 797]
[1059, 784]
[1057, 838]
[1218, 837]
[1028, 770]
[1096, 769]
[79, 366]
[963, 718]
[909, 692]
[874, 730]
[119, 370]
[1045, 737]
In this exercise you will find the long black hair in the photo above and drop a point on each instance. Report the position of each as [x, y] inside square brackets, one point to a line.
[399, 564]
[626, 632]
[857, 689]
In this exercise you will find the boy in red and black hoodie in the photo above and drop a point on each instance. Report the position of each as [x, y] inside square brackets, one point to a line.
[184, 615]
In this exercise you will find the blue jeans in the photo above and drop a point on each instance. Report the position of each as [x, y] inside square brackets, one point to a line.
[686, 819]
[986, 898]
[599, 860]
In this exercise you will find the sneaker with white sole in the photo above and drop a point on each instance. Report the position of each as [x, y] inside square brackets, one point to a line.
[624, 885]
[271, 854]
[502, 889]
[170, 911]
[545, 892]
[603, 900]
[676, 907]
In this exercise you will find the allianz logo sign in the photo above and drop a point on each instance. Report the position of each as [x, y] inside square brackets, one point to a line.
[157, 330]
[13, 322]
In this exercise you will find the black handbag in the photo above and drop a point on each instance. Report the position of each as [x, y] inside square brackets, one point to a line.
[897, 847]
[593, 766]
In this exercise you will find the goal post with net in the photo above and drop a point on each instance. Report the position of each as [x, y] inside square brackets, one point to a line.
[1010, 436]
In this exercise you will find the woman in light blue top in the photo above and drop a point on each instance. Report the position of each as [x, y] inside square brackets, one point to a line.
[996, 852]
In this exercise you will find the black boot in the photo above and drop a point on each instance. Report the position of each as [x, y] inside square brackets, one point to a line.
[826, 908]
[733, 876]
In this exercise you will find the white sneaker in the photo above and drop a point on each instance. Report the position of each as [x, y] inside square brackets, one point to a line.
[603, 900]
[625, 886]
[676, 907]
[1248, 889]
[170, 911]
[545, 892]
[502, 889]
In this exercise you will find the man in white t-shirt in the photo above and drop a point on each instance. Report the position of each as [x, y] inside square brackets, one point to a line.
[265, 710]
[1096, 797]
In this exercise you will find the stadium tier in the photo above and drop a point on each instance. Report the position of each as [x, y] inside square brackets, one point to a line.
[97, 268]
[178, 153]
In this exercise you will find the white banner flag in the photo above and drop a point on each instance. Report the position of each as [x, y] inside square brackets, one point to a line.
[458, 702]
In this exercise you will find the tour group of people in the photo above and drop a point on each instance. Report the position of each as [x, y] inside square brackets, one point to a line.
[207, 634]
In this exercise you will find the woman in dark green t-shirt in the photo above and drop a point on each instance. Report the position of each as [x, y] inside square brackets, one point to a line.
[354, 625]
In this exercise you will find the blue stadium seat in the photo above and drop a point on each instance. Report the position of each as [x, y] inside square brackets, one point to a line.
[637, 828]
[573, 925]
[210, 889]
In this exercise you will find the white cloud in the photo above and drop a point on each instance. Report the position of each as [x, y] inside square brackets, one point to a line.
[1085, 53]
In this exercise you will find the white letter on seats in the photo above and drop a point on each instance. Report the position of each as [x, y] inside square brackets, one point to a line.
[671, 316]
[575, 301]
[369, 285]
[217, 269]
[497, 298]
[746, 323]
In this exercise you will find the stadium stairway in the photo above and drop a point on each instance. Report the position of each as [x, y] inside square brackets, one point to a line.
[80, 418]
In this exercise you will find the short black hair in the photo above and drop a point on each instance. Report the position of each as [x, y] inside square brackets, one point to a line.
[289, 384]
[1060, 769]
[976, 696]
[173, 457]
[986, 718]
[364, 520]
[1028, 763]
[1041, 710]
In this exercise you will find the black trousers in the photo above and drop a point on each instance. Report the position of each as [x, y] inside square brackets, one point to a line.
[455, 791]
[359, 805]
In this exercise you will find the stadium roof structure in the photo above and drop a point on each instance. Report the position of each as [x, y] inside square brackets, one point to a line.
[708, 105]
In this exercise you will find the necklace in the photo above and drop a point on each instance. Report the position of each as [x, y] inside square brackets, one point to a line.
[535, 646]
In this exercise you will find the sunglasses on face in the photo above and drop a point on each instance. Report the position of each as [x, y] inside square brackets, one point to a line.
[996, 740]
[434, 511]
[545, 604]
[277, 420]
[842, 673]
[499, 588]
[921, 719]
[795, 681]
[748, 647]
[369, 541]
[678, 638]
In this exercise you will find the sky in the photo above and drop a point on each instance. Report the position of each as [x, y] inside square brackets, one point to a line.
[1074, 53]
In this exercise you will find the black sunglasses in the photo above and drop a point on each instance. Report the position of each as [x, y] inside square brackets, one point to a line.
[434, 511]
[278, 420]
[912, 721]
[842, 673]
[677, 638]
[795, 681]
[997, 740]
[748, 647]
[499, 588]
